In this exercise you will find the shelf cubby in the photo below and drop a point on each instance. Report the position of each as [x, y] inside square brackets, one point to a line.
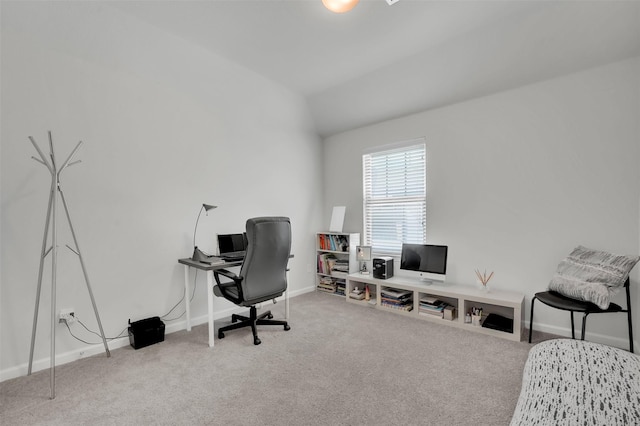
[505, 303]
[335, 260]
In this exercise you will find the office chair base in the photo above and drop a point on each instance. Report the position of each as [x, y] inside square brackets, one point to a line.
[241, 321]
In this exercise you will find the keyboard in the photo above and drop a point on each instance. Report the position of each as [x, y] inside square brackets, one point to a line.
[233, 256]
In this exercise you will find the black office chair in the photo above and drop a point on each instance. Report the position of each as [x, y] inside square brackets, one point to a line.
[263, 274]
[558, 301]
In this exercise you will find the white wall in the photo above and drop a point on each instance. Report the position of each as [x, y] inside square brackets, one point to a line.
[518, 179]
[164, 125]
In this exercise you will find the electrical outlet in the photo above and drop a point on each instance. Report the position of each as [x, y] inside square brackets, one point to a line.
[67, 315]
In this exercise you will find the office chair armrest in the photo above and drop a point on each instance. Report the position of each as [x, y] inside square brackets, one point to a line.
[237, 280]
[226, 273]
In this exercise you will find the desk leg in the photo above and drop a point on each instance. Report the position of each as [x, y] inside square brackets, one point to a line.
[286, 299]
[286, 305]
[187, 303]
[210, 305]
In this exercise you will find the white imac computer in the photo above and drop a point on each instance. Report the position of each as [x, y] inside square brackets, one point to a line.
[425, 261]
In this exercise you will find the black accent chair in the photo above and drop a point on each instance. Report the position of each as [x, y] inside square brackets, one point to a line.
[558, 301]
[262, 276]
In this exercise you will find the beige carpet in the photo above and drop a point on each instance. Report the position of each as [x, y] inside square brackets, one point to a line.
[339, 364]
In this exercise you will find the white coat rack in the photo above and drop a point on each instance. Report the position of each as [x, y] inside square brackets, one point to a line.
[50, 223]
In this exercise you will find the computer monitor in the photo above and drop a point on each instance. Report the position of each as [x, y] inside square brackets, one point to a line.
[428, 262]
[232, 243]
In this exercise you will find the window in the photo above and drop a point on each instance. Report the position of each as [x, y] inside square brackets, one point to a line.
[395, 198]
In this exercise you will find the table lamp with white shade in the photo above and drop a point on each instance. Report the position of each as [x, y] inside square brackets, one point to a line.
[363, 254]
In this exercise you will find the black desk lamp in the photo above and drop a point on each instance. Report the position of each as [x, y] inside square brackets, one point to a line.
[198, 255]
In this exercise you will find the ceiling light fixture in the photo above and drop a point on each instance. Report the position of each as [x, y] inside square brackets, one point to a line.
[340, 6]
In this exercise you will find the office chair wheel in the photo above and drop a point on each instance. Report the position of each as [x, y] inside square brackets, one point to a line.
[286, 327]
[220, 335]
[256, 341]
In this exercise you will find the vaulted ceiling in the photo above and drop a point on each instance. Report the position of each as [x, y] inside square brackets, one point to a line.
[379, 61]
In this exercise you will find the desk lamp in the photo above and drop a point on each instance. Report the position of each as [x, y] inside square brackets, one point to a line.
[363, 253]
[198, 255]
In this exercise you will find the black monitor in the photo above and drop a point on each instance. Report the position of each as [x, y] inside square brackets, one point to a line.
[429, 262]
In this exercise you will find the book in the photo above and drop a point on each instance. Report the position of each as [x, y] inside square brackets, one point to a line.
[432, 300]
[430, 314]
[396, 293]
[406, 308]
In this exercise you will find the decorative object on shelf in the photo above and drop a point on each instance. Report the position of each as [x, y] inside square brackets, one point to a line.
[337, 218]
[476, 316]
[363, 254]
[357, 294]
[484, 278]
[198, 255]
[449, 313]
[367, 293]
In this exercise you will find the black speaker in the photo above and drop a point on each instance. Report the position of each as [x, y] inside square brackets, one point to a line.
[383, 267]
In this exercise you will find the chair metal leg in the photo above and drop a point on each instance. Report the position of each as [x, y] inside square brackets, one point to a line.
[531, 319]
[240, 321]
[584, 324]
[630, 331]
[629, 318]
[233, 326]
[254, 330]
[573, 332]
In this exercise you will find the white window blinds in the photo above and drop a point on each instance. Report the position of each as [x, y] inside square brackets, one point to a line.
[395, 198]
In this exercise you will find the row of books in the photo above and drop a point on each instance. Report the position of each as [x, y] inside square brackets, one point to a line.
[333, 242]
[331, 265]
[394, 298]
[432, 306]
[332, 285]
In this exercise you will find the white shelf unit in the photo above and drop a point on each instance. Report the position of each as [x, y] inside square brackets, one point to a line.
[335, 250]
[463, 298]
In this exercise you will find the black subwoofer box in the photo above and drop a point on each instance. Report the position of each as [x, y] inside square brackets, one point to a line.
[146, 332]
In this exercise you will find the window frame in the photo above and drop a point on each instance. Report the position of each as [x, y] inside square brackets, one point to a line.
[415, 233]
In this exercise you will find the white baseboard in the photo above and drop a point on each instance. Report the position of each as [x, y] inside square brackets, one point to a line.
[61, 359]
[90, 350]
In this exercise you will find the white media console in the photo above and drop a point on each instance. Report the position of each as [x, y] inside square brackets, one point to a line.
[463, 298]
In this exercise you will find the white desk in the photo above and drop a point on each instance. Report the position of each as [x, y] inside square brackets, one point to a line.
[188, 263]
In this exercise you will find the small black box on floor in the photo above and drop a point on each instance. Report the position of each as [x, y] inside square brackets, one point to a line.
[146, 332]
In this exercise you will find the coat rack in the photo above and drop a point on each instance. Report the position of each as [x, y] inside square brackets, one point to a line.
[51, 221]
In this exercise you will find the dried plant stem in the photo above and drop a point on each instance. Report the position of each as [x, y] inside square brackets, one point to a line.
[484, 278]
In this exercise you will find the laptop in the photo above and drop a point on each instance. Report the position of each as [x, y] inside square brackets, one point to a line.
[232, 247]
